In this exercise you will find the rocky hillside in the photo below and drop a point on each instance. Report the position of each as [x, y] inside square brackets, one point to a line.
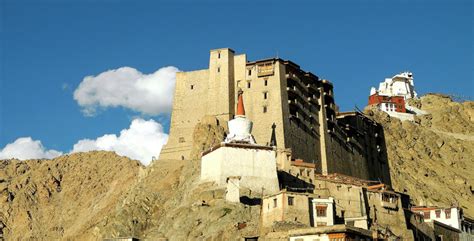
[432, 158]
[96, 195]
[63, 197]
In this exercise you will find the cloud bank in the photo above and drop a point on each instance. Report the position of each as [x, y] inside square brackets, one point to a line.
[26, 148]
[127, 87]
[141, 141]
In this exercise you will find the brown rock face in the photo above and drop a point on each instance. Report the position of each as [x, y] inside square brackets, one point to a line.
[432, 158]
[62, 197]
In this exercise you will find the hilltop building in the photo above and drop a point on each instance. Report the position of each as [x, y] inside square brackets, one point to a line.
[393, 94]
[292, 110]
[399, 85]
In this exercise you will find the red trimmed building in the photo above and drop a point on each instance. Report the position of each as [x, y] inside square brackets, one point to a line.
[388, 103]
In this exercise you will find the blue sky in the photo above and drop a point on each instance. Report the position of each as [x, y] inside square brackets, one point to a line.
[49, 47]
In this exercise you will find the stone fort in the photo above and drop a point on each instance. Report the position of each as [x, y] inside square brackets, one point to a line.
[292, 110]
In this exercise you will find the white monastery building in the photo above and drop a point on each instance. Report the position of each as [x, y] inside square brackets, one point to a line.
[392, 95]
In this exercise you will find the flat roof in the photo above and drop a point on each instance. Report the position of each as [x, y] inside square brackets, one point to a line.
[427, 208]
[237, 145]
[344, 179]
[339, 228]
[290, 63]
[284, 191]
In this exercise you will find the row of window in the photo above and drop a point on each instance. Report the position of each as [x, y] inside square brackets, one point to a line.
[427, 214]
[248, 84]
[265, 94]
[275, 202]
[265, 83]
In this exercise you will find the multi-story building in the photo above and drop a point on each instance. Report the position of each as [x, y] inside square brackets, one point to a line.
[296, 107]
[392, 96]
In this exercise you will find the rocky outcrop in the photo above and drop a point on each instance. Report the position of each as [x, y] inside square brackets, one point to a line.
[431, 159]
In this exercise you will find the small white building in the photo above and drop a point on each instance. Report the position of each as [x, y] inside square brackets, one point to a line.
[323, 211]
[450, 216]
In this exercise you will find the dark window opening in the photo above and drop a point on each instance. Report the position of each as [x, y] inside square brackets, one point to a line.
[219, 55]
[290, 201]
[218, 69]
[274, 202]
[248, 85]
[265, 95]
[266, 82]
[264, 109]
[192, 87]
[250, 72]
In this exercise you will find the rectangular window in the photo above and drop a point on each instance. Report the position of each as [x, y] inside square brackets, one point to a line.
[218, 55]
[248, 85]
[426, 215]
[321, 211]
[250, 72]
[192, 86]
[438, 213]
[266, 82]
[290, 201]
[265, 95]
[274, 202]
[218, 69]
[448, 213]
[264, 109]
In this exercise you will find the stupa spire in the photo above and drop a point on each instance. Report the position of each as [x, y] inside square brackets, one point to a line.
[240, 104]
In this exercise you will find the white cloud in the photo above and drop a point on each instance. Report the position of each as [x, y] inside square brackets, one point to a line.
[141, 141]
[127, 87]
[26, 148]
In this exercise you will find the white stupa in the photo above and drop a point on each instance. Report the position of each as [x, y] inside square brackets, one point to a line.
[240, 128]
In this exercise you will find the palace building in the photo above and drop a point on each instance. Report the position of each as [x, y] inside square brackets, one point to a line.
[295, 107]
